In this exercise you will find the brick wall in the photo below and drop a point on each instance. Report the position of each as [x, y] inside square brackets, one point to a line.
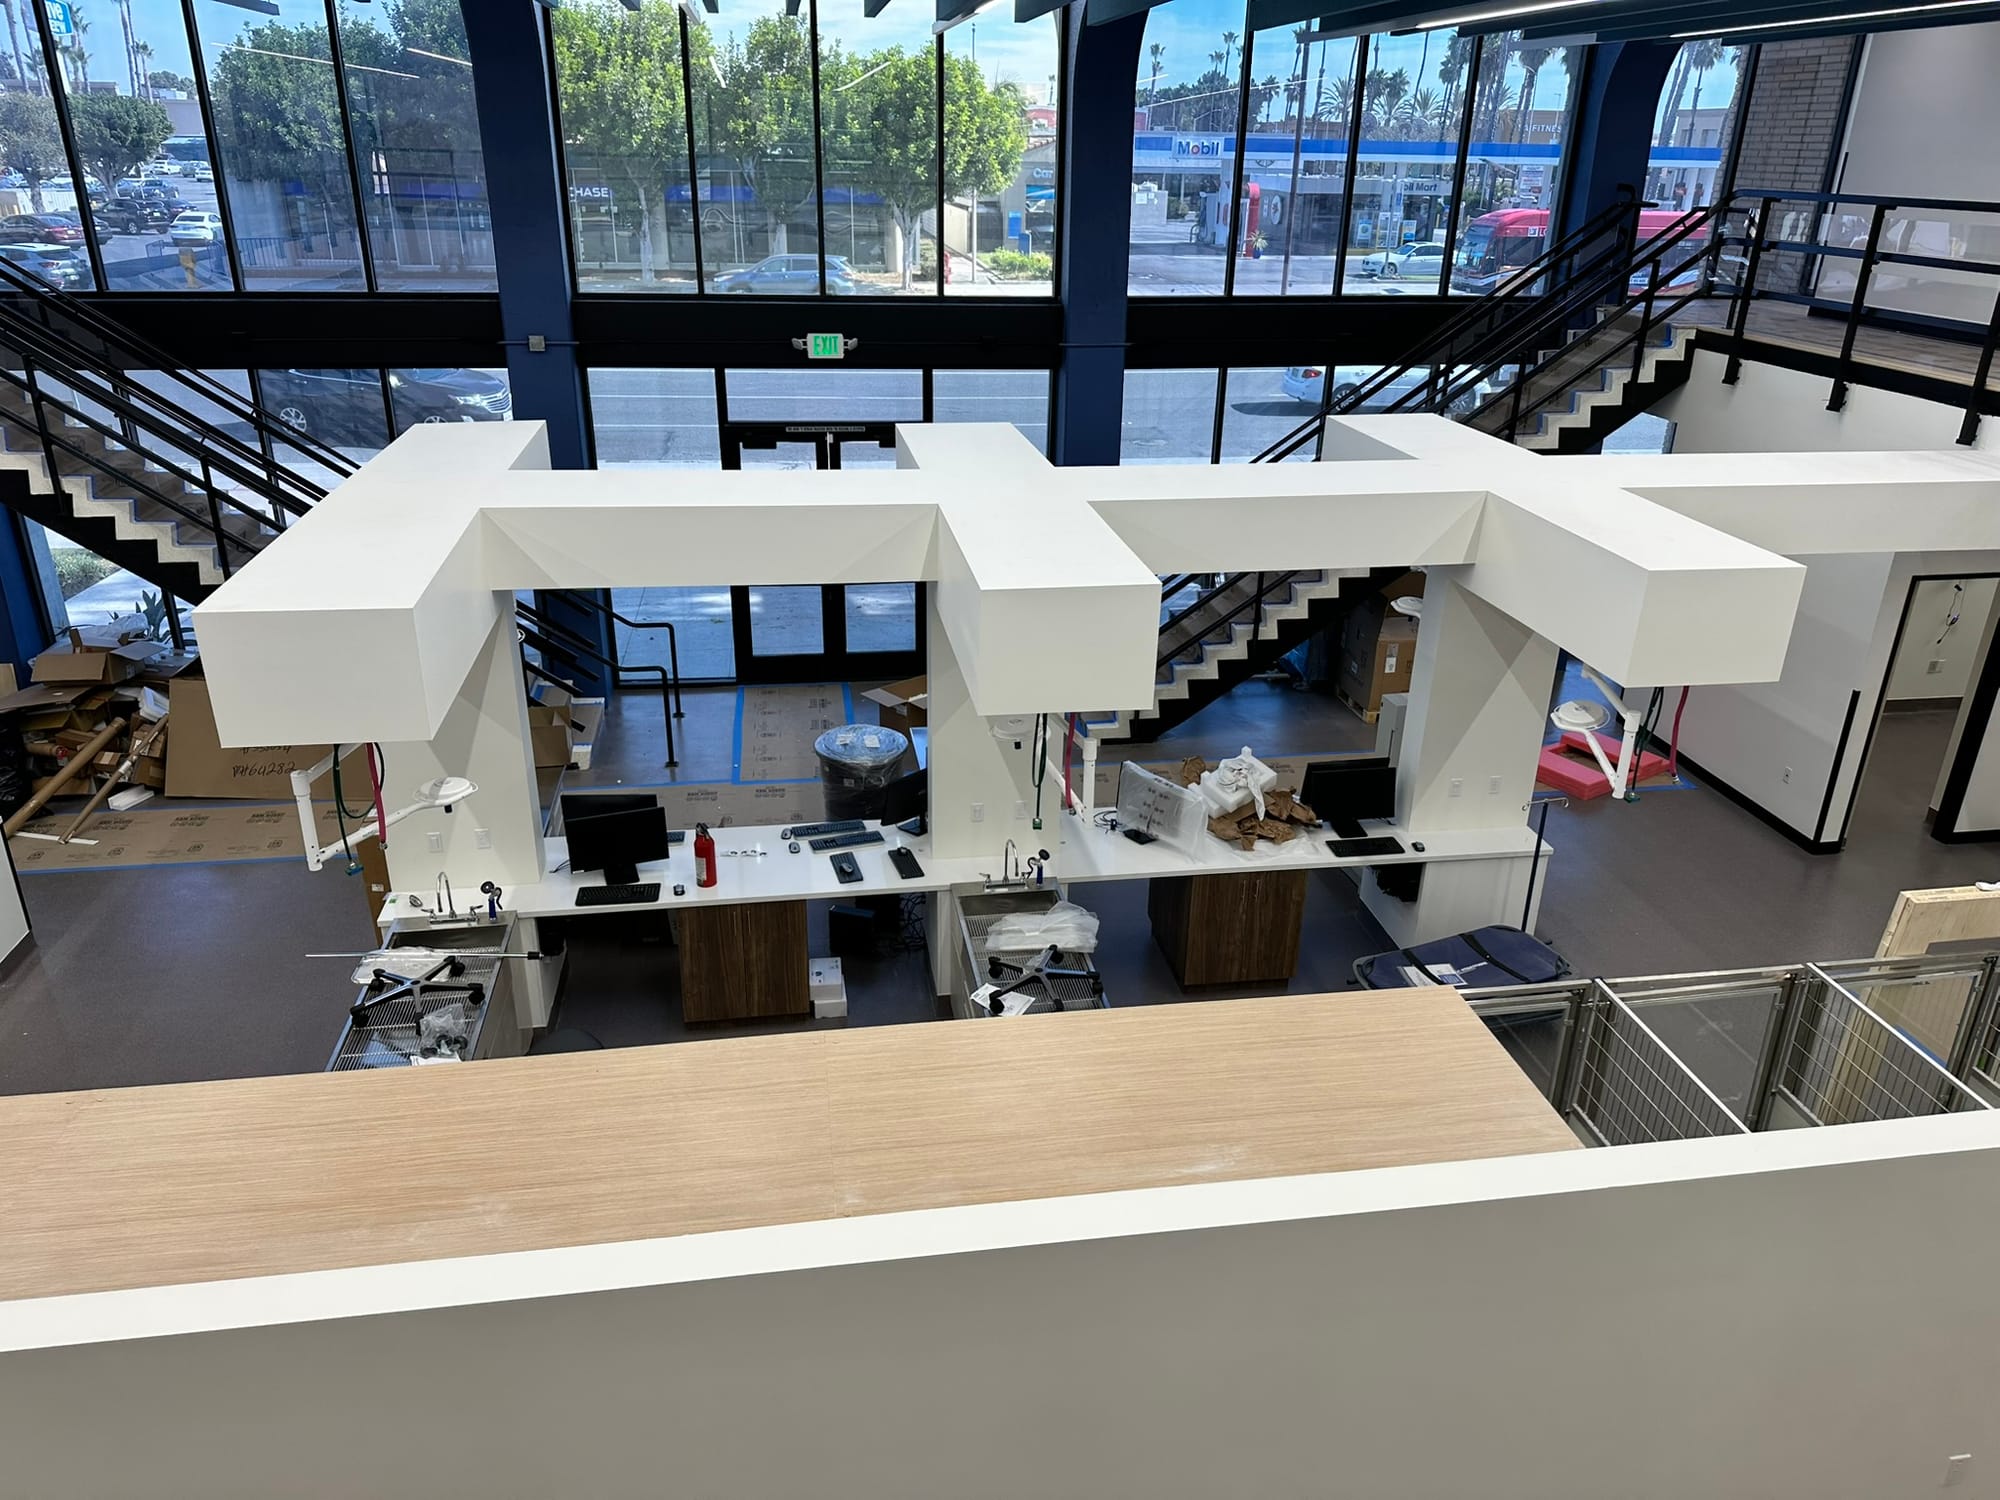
[1792, 129]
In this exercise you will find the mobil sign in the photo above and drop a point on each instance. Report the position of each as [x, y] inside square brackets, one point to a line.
[1199, 147]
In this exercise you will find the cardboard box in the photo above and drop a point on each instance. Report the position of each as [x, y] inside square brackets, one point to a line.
[549, 728]
[904, 704]
[88, 660]
[199, 766]
[1378, 654]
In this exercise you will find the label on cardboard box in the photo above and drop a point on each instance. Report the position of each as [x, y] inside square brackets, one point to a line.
[199, 766]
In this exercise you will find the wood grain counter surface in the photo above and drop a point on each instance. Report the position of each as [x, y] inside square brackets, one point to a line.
[198, 1182]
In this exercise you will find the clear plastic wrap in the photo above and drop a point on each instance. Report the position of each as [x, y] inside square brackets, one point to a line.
[1067, 927]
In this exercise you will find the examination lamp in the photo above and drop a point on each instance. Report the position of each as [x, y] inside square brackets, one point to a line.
[441, 794]
[1585, 716]
[1408, 604]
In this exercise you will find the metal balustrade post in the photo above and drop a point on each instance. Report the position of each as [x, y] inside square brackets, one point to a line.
[1753, 263]
[1968, 430]
[1975, 1022]
[1837, 399]
[1777, 1036]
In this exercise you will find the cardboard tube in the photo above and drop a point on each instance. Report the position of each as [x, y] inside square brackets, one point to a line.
[27, 810]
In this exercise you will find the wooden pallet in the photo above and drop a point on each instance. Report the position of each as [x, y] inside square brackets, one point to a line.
[1368, 715]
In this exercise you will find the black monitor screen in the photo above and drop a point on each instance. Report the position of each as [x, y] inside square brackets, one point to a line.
[1345, 791]
[596, 804]
[906, 797]
[618, 843]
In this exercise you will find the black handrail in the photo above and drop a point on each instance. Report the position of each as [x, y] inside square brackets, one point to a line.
[142, 355]
[589, 597]
[1619, 220]
[541, 633]
[1266, 585]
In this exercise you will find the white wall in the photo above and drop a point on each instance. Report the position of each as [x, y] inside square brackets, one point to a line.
[1773, 410]
[1608, 1323]
[13, 912]
[1932, 604]
[1925, 115]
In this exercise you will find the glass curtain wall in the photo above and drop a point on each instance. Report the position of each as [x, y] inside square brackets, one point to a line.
[1513, 169]
[1703, 88]
[1184, 119]
[1288, 235]
[717, 153]
[1412, 105]
[1169, 417]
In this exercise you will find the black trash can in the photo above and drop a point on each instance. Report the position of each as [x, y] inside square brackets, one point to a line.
[856, 764]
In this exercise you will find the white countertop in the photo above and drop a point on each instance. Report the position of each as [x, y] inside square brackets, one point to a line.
[1091, 853]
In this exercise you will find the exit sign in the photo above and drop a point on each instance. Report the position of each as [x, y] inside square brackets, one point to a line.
[825, 346]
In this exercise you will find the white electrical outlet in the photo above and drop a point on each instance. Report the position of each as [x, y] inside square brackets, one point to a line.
[1020, 812]
[979, 812]
[1457, 787]
[1934, 666]
[482, 838]
[1954, 1469]
[1493, 786]
[1787, 777]
[437, 843]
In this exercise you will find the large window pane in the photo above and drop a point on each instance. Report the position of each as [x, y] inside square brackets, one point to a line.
[824, 396]
[1260, 406]
[1412, 101]
[787, 620]
[344, 409]
[878, 138]
[448, 395]
[881, 616]
[138, 128]
[1000, 131]
[753, 125]
[1513, 173]
[1017, 396]
[284, 159]
[1301, 104]
[654, 419]
[1701, 91]
[1169, 417]
[624, 124]
[416, 127]
[1184, 147]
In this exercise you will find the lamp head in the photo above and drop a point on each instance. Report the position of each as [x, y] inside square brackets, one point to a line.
[445, 791]
[1585, 714]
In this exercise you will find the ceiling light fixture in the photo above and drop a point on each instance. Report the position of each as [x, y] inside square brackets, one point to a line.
[1467, 18]
[1833, 18]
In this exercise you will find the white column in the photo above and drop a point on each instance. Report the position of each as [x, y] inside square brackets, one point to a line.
[485, 736]
[1479, 698]
[970, 769]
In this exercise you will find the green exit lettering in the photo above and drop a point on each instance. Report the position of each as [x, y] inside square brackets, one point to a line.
[825, 346]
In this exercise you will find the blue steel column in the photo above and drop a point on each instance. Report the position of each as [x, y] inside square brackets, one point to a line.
[1096, 236]
[512, 80]
[24, 623]
[1613, 133]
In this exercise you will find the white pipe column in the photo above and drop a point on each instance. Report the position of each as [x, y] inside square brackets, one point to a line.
[484, 736]
[1479, 698]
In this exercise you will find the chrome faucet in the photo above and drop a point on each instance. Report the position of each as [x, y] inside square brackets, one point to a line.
[1010, 862]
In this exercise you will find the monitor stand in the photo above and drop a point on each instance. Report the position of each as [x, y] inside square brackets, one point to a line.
[621, 874]
[1347, 828]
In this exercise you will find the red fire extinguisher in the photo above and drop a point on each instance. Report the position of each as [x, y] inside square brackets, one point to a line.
[704, 856]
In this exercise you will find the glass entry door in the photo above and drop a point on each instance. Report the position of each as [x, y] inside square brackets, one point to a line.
[822, 632]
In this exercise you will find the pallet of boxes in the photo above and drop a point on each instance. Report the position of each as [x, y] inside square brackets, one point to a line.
[1378, 647]
[93, 721]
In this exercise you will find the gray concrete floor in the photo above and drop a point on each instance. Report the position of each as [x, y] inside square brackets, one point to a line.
[175, 974]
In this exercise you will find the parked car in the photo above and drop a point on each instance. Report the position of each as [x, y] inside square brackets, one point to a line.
[788, 276]
[133, 214]
[1307, 383]
[42, 229]
[200, 171]
[346, 405]
[1422, 262]
[58, 265]
[195, 228]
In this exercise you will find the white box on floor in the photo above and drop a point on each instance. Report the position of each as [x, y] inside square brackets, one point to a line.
[827, 989]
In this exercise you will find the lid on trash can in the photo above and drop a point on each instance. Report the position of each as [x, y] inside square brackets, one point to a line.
[864, 745]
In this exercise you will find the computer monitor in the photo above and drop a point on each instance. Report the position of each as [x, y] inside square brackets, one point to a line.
[596, 804]
[1345, 791]
[906, 797]
[618, 843]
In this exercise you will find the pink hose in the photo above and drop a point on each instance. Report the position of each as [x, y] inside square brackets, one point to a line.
[381, 819]
[1069, 749]
[1674, 744]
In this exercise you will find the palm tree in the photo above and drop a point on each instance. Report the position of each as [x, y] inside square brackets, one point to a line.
[1336, 104]
[14, 39]
[1702, 55]
[1420, 110]
[1676, 87]
[1158, 52]
[1533, 59]
[1451, 72]
[1212, 107]
[131, 56]
[77, 53]
[142, 54]
[1229, 40]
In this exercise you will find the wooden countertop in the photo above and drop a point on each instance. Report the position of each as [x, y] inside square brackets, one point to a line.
[198, 1182]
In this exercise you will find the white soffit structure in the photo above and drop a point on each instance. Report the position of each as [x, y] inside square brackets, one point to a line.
[362, 620]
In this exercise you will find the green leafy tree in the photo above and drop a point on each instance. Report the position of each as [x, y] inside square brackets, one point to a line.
[880, 116]
[276, 112]
[115, 135]
[759, 116]
[166, 78]
[31, 142]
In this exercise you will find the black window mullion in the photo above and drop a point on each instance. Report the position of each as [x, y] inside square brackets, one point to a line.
[59, 101]
[938, 56]
[1454, 207]
[1240, 186]
[1356, 110]
[694, 181]
[819, 143]
[215, 161]
[721, 400]
[929, 406]
[388, 408]
[362, 236]
[1215, 432]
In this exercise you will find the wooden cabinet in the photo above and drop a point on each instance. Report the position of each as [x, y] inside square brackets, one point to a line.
[1229, 929]
[740, 962]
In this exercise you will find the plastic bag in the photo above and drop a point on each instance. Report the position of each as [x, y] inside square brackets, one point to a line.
[1066, 926]
[1240, 779]
[444, 1029]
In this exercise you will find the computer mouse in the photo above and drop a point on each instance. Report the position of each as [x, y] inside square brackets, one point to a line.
[794, 846]
[1416, 847]
[784, 833]
[680, 890]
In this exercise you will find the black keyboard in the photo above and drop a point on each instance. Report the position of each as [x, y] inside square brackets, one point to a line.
[817, 830]
[618, 895]
[1365, 848]
[845, 840]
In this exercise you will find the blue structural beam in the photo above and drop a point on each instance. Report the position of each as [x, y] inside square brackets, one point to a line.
[511, 76]
[1096, 237]
[1612, 140]
[24, 622]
